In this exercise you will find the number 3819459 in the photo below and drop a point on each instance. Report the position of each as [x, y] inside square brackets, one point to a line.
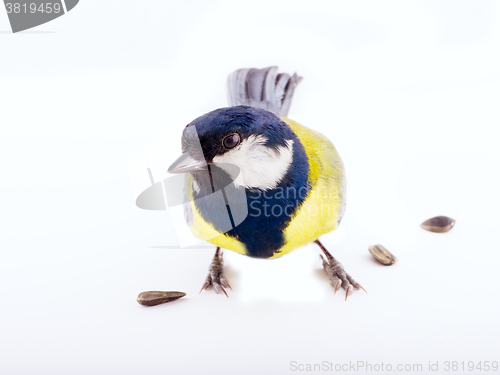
[33, 8]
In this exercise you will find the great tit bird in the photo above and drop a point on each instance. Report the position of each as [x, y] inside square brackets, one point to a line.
[287, 182]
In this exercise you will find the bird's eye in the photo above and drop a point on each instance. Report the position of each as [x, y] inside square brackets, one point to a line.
[231, 141]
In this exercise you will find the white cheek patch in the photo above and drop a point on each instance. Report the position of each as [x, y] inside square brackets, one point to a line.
[260, 166]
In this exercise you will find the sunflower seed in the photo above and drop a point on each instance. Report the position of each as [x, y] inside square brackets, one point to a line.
[382, 255]
[156, 298]
[438, 224]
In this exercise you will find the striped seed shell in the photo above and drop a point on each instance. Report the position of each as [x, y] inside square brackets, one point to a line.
[438, 224]
[154, 298]
[382, 255]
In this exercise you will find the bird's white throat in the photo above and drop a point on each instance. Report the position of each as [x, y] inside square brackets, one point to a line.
[261, 167]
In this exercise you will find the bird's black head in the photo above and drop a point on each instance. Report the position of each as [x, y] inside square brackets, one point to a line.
[257, 141]
[224, 129]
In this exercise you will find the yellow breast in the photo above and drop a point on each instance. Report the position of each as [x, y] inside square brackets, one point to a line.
[321, 210]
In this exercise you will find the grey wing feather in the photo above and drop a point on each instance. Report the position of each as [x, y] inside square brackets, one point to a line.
[262, 88]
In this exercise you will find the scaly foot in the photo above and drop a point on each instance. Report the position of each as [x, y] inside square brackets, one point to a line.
[336, 273]
[215, 278]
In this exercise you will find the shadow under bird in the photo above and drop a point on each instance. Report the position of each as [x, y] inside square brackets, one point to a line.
[259, 183]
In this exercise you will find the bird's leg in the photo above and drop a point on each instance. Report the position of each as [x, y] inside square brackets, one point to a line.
[215, 278]
[337, 274]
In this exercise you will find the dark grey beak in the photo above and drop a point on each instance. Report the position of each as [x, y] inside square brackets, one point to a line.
[186, 163]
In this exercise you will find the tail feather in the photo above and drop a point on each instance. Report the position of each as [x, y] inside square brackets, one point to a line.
[263, 88]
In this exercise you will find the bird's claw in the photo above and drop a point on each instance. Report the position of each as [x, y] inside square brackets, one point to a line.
[216, 278]
[338, 276]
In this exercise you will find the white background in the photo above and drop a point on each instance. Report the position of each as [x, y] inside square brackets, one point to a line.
[408, 91]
